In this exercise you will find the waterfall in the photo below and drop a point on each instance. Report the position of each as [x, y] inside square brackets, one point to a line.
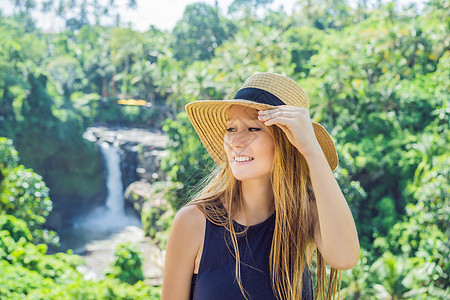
[113, 215]
[115, 201]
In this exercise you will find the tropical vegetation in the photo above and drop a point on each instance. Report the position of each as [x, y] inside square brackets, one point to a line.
[377, 76]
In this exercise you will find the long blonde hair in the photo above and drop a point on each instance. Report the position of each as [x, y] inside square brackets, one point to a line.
[221, 200]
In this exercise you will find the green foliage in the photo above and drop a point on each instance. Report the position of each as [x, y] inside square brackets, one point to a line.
[402, 277]
[391, 273]
[303, 44]
[377, 78]
[187, 161]
[69, 163]
[67, 73]
[329, 14]
[237, 5]
[373, 90]
[74, 13]
[156, 222]
[198, 33]
[128, 265]
[50, 140]
[353, 191]
[9, 156]
[355, 283]
[26, 271]
[31, 273]
[24, 195]
[424, 230]
[17, 228]
[386, 215]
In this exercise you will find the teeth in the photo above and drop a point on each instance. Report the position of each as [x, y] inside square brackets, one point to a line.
[242, 158]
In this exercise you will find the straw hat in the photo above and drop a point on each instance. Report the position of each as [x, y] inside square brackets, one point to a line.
[261, 91]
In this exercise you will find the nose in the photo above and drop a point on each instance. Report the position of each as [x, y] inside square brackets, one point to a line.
[238, 140]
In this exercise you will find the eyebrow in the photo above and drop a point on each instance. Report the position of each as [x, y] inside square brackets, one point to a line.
[255, 118]
[252, 121]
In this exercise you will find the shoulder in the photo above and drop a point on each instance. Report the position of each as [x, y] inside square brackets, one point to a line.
[184, 243]
[191, 217]
[189, 222]
[186, 235]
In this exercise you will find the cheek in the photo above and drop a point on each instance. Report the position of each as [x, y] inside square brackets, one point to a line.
[266, 148]
[226, 146]
[270, 150]
[269, 145]
[271, 156]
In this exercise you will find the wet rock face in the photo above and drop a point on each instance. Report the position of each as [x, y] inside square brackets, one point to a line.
[141, 151]
[129, 163]
[149, 167]
[67, 206]
[61, 216]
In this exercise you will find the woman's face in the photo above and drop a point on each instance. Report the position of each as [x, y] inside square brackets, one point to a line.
[248, 144]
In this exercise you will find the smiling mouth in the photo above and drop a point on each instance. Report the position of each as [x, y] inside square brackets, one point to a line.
[242, 158]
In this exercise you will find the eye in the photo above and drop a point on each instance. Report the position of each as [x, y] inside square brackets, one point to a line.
[232, 129]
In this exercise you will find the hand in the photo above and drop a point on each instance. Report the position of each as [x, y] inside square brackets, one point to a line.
[296, 124]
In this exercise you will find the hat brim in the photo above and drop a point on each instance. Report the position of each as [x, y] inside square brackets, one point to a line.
[209, 118]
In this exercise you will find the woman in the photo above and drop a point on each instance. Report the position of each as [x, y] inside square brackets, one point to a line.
[271, 202]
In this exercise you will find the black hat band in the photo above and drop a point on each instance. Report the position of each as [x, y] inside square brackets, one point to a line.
[258, 95]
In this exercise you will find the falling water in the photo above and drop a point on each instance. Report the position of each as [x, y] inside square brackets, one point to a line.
[105, 220]
[95, 235]
[112, 216]
[115, 201]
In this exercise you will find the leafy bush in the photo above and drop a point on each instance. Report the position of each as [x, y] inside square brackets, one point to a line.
[18, 282]
[128, 265]
[27, 271]
[424, 231]
[15, 227]
[23, 194]
[9, 157]
[156, 222]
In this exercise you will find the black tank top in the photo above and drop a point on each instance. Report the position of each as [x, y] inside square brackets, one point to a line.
[216, 275]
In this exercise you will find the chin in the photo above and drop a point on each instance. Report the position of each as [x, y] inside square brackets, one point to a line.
[243, 177]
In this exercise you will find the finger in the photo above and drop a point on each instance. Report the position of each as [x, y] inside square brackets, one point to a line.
[279, 112]
[285, 128]
[282, 109]
[292, 107]
[287, 114]
[282, 120]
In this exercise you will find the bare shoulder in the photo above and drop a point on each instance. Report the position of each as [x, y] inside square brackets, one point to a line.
[185, 241]
[190, 221]
[185, 238]
[190, 216]
[187, 234]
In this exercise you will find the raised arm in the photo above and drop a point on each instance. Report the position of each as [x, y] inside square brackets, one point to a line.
[184, 243]
[334, 231]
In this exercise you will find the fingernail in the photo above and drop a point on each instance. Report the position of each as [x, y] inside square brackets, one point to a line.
[261, 112]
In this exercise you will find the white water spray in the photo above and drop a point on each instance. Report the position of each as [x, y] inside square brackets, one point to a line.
[114, 202]
[112, 216]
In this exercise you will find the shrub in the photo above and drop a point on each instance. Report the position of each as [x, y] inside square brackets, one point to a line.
[128, 265]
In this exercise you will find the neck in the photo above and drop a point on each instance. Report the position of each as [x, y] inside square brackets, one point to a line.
[258, 200]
